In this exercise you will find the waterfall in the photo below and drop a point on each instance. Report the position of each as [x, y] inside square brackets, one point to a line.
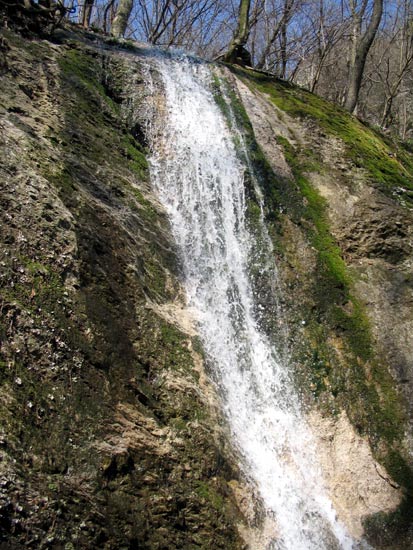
[200, 180]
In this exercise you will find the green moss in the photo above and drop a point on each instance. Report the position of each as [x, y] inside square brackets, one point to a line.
[63, 181]
[209, 493]
[94, 112]
[197, 346]
[156, 278]
[248, 150]
[122, 43]
[218, 85]
[145, 207]
[332, 269]
[134, 152]
[365, 389]
[253, 213]
[81, 66]
[319, 371]
[355, 325]
[93, 122]
[38, 286]
[179, 424]
[175, 347]
[171, 336]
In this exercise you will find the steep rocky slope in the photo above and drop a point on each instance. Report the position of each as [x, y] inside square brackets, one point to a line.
[111, 435]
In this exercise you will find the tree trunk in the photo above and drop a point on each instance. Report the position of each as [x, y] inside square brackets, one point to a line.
[86, 13]
[108, 10]
[121, 19]
[283, 45]
[388, 104]
[236, 52]
[361, 47]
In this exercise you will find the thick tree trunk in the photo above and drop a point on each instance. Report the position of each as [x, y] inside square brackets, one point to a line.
[236, 52]
[108, 10]
[86, 13]
[121, 19]
[361, 49]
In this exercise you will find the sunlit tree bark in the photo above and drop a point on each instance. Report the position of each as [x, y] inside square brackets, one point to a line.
[120, 22]
[361, 44]
[86, 13]
[236, 52]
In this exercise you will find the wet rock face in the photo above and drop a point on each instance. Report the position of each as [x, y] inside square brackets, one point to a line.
[375, 236]
[358, 485]
[108, 430]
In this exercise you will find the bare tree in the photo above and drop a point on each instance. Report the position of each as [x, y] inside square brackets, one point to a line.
[328, 30]
[396, 68]
[360, 46]
[279, 31]
[86, 13]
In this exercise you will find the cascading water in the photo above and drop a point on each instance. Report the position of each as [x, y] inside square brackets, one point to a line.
[200, 180]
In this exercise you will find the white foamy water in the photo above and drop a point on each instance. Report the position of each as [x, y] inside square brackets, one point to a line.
[200, 180]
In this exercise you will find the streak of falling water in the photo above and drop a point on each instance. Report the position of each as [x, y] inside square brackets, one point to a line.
[200, 180]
